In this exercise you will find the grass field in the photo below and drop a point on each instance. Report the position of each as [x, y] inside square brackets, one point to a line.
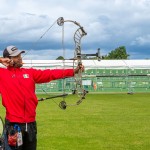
[100, 122]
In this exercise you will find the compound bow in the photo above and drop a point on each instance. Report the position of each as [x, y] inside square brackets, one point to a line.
[78, 90]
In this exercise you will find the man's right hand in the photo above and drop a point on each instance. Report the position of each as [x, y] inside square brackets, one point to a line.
[6, 61]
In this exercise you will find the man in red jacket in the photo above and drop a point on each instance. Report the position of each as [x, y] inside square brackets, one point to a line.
[17, 88]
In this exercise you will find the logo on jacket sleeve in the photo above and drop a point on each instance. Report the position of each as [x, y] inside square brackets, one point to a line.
[26, 75]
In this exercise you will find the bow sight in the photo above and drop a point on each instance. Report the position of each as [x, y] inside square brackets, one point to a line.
[96, 55]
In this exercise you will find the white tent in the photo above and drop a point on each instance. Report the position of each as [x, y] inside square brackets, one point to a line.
[130, 64]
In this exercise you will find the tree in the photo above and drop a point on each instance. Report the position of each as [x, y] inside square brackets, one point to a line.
[60, 58]
[118, 53]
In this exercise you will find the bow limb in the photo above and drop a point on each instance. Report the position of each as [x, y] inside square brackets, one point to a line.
[78, 77]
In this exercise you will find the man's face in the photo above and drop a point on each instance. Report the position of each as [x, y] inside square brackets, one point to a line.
[17, 60]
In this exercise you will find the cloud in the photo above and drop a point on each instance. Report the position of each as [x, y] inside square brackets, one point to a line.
[108, 23]
[142, 40]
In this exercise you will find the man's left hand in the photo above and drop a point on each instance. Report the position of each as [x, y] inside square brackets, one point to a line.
[80, 67]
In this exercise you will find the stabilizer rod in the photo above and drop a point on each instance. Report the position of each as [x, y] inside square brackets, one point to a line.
[51, 97]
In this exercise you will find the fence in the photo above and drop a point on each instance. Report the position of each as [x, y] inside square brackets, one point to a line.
[104, 80]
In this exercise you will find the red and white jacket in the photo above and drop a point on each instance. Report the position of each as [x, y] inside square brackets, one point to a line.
[17, 88]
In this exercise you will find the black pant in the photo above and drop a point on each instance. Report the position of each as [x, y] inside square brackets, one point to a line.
[29, 135]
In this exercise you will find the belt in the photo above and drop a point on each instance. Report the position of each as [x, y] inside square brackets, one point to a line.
[7, 122]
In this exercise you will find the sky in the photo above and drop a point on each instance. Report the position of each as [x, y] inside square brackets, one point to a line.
[108, 23]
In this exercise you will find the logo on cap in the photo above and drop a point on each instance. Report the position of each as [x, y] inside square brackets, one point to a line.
[14, 48]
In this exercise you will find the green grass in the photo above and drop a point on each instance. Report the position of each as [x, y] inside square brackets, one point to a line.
[100, 122]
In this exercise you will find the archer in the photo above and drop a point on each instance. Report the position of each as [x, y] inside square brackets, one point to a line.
[17, 88]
